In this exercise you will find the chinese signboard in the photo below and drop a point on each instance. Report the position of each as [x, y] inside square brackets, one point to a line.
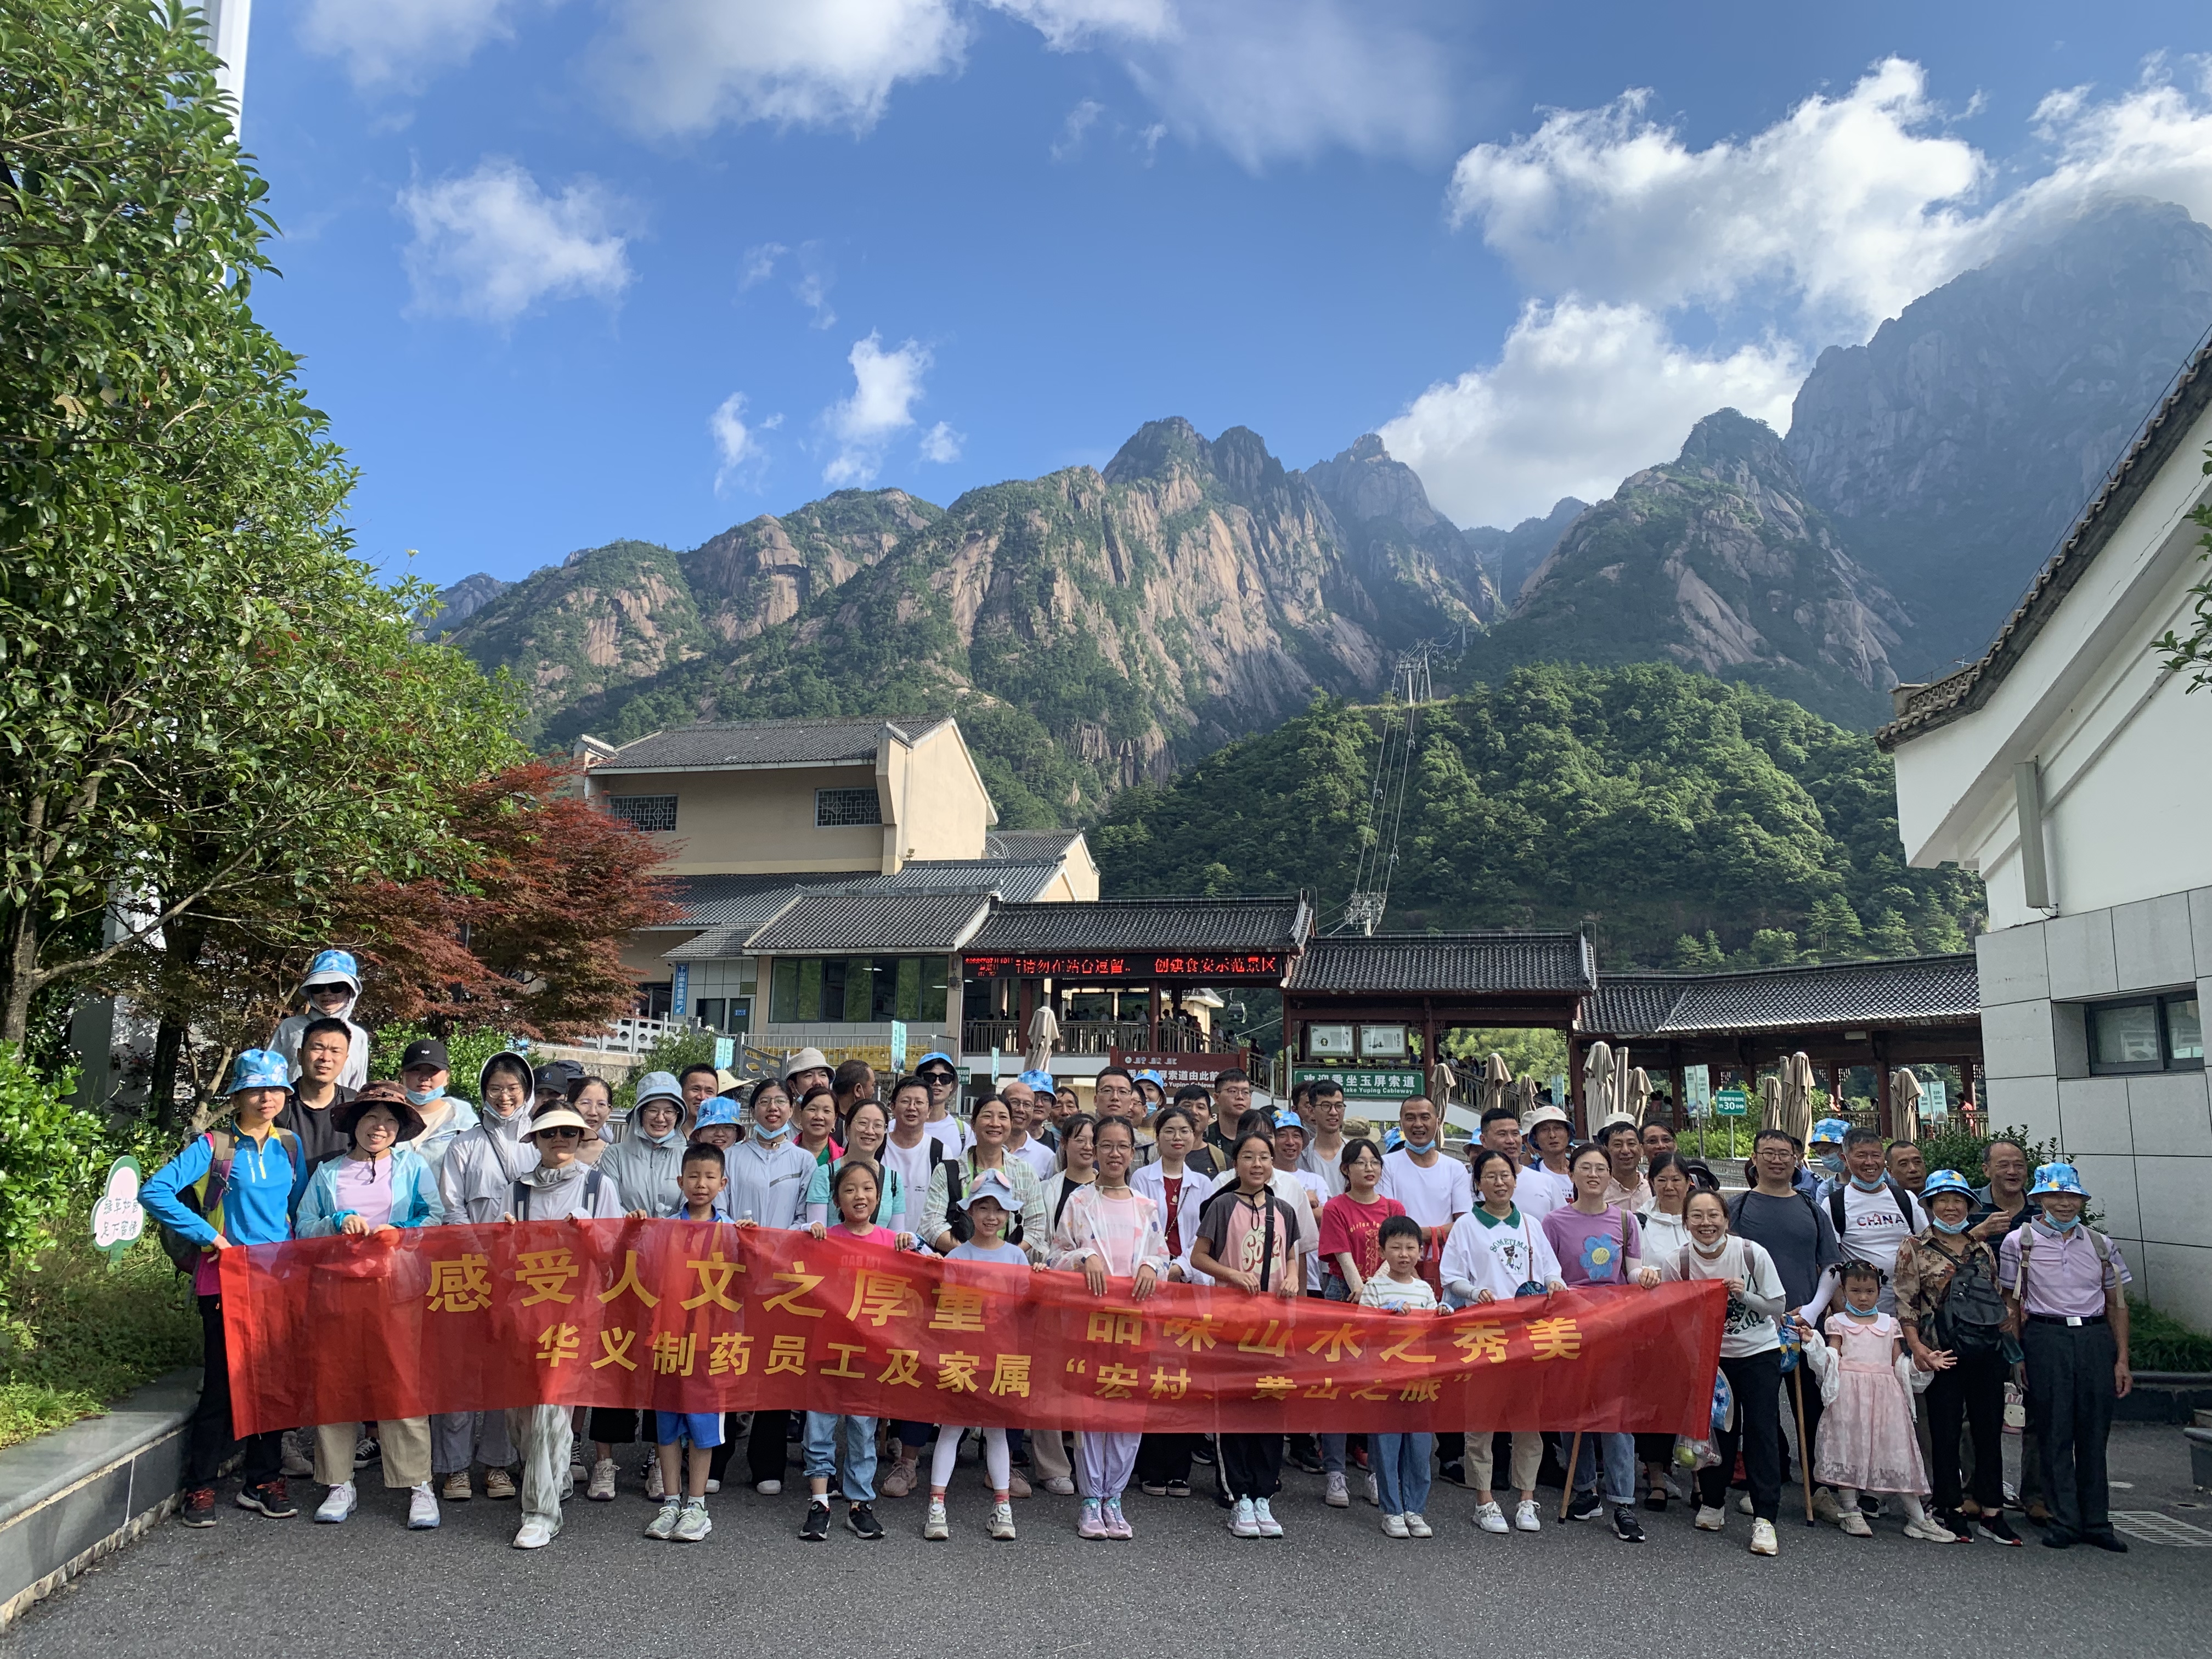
[1393, 1083]
[1204, 967]
[1698, 1090]
[1732, 1101]
[1175, 1070]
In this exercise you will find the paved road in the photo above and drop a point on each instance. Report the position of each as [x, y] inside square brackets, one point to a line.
[1335, 1586]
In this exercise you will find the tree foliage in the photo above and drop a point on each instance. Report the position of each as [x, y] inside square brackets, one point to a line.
[214, 714]
[1669, 814]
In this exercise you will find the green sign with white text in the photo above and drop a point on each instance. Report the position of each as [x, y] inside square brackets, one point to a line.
[1731, 1102]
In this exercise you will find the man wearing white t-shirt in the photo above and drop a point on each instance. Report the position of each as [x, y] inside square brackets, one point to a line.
[1873, 1214]
[1551, 1132]
[936, 1070]
[1537, 1192]
[1435, 1191]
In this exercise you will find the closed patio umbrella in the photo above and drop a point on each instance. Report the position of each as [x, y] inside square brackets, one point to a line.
[1797, 1097]
[1636, 1089]
[1770, 1103]
[1497, 1082]
[1597, 1082]
[1904, 1093]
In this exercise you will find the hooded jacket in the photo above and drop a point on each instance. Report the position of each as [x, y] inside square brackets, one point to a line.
[477, 1177]
[414, 1201]
[646, 1169]
[262, 1188]
[292, 1030]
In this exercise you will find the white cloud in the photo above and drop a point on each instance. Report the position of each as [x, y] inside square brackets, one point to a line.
[941, 443]
[1805, 234]
[401, 44]
[1850, 204]
[1080, 122]
[1583, 394]
[816, 277]
[679, 67]
[760, 265]
[491, 245]
[886, 385]
[736, 444]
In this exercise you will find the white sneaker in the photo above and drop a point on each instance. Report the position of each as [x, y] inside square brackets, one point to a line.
[1762, 1538]
[1491, 1518]
[769, 1488]
[536, 1533]
[936, 1525]
[713, 1484]
[1374, 1490]
[1418, 1525]
[338, 1504]
[1527, 1517]
[692, 1525]
[1244, 1519]
[1269, 1527]
[1930, 1531]
[653, 1489]
[1743, 1503]
[422, 1508]
[1710, 1519]
[1394, 1526]
[664, 1521]
[1339, 1496]
[1002, 1520]
[602, 1489]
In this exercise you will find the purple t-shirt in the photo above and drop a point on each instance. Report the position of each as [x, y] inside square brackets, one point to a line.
[366, 1189]
[1592, 1248]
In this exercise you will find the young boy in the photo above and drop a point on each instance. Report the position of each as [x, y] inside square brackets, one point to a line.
[685, 1519]
[1401, 1461]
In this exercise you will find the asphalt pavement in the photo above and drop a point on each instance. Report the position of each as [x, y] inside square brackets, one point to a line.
[1336, 1585]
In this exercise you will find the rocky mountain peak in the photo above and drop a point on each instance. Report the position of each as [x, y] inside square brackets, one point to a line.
[1365, 482]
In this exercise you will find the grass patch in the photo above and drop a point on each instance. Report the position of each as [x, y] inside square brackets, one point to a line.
[2160, 1342]
[77, 1337]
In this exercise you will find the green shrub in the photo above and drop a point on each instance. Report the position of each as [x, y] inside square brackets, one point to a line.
[78, 1336]
[2160, 1342]
[1952, 1145]
[693, 1046]
[48, 1155]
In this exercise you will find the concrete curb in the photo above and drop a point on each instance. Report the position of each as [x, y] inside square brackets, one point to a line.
[69, 1497]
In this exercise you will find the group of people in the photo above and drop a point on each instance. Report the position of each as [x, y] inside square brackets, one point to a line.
[1902, 1310]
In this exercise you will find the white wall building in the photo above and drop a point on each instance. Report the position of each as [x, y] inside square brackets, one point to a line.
[2075, 774]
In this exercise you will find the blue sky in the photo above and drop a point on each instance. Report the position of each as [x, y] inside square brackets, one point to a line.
[565, 271]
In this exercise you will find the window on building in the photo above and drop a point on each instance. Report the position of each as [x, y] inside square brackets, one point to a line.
[655, 1000]
[837, 809]
[856, 990]
[655, 812]
[2146, 1034]
[732, 1015]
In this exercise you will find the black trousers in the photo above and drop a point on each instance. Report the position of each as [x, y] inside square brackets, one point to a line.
[1252, 1464]
[617, 1425]
[1755, 1379]
[1654, 1448]
[1972, 1390]
[766, 1449]
[209, 1440]
[1786, 1411]
[1162, 1458]
[2069, 1406]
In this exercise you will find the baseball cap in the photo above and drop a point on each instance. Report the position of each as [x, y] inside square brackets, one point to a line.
[425, 1051]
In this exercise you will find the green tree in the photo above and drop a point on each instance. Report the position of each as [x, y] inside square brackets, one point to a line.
[212, 709]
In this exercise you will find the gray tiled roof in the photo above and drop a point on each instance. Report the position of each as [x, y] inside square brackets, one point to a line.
[716, 744]
[1896, 991]
[2158, 441]
[820, 924]
[1027, 844]
[726, 901]
[1446, 962]
[1170, 924]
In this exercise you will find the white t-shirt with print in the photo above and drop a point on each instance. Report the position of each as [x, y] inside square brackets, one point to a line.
[1873, 1229]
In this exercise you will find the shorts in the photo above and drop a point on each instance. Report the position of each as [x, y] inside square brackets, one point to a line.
[702, 1429]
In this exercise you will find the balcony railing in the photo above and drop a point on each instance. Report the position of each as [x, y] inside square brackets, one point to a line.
[634, 1035]
[1084, 1036]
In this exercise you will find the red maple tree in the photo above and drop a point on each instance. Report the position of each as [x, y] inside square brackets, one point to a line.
[528, 937]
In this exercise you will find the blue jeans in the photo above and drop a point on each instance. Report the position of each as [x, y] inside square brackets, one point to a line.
[1619, 1467]
[1401, 1469]
[860, 1452]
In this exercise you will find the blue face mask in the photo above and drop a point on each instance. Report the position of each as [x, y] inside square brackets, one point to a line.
[1873, 1186]
[1867, 1312]
[1831, 1162]
[770, 1137]
[2058, 1226]
[424, 1097]
[1954, 1228]
[1420, 1148]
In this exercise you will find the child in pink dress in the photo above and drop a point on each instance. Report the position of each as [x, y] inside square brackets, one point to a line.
[1866, 1441]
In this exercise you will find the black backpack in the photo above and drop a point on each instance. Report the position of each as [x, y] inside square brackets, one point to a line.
[1970, 1320]
[1904, 1205]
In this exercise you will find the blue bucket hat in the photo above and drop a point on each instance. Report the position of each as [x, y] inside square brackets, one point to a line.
[1038, 1080]
[260, 1068]
[1287, 1119]
[1154, 1078]
[2057, 1178]
[660, 1086]
[719, 1109]
[333, 967]
[1945, 1181]
[990, 1184]
[1830, 1128]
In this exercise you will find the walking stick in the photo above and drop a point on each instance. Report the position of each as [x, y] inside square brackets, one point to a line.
[1566, 1495]
[1804, 1451]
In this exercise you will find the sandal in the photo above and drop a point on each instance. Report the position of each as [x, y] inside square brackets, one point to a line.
[1655, 1497]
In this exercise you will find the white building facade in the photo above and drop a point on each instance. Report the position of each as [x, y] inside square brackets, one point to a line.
[2074, 772]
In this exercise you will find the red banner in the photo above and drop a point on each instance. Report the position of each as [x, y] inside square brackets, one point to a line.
[699, 1316]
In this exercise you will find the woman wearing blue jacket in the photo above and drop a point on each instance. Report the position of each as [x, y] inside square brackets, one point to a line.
[236, 1184]
[383, 1184]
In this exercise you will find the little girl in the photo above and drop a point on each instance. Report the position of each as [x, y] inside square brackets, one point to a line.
[1109, 1230]
[1866, 1442]
[1401, 1461]
[854, 1190]
[988, 1204]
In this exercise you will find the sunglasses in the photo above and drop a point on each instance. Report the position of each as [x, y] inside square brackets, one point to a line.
[938, 1079]
[565, 1132]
